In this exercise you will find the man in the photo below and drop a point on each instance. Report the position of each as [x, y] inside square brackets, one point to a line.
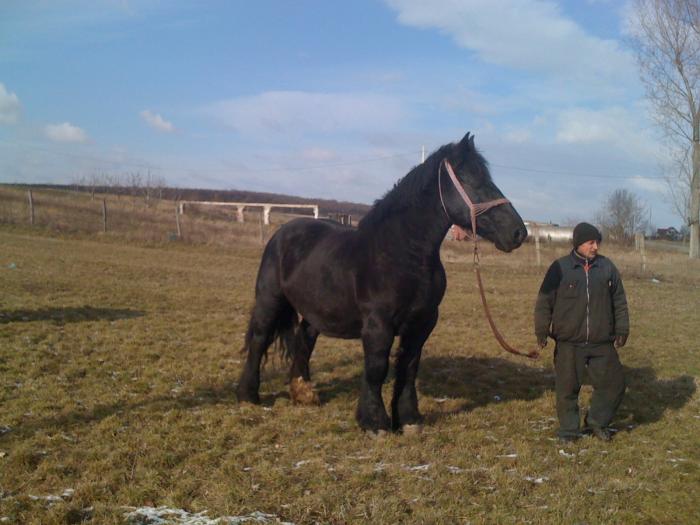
[582, 306]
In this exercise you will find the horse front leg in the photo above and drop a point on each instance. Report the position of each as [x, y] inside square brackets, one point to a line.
[405, 415]
[377, 338]
[301, 389]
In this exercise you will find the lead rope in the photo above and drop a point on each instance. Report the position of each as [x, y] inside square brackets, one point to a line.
[474, 210]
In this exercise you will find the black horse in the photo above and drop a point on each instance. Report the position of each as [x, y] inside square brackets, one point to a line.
[374, 282]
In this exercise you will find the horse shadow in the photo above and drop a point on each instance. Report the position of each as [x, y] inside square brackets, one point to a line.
[479, 381]
[68, 314]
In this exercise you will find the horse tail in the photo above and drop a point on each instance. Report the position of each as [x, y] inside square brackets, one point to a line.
[280, 331]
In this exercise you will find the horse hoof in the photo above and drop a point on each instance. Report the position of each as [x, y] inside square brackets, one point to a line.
[412, 430]
[303, 392]
[250, 400]
[377, 434]
[247, 396]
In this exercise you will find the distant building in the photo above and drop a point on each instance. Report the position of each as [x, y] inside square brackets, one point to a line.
[668, 234]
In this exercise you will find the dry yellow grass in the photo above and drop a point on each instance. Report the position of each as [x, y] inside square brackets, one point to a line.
[117, 365]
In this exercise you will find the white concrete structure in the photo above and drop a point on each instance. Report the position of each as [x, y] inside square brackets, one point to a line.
[549, 232]
[241, 206]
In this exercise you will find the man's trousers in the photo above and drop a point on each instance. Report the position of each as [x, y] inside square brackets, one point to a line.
[601, 364]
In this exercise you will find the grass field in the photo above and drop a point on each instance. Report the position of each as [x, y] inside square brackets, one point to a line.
[117, 366]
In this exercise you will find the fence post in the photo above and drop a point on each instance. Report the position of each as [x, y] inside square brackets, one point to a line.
[537, 246]
[177, 221]
[104, 215]
[31, 207]
[639, 241]
[262, 228]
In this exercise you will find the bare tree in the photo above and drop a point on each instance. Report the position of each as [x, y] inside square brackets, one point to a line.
[623, 214]
[666, 39]
[680, 181]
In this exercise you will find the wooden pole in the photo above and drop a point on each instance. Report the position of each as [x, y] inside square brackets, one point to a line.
[642, 250]
[31, 207]
[177, 221]
[104, 215]
[262, 227]
[537, 246]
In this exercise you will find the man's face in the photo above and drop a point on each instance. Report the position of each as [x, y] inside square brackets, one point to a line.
[588, 249]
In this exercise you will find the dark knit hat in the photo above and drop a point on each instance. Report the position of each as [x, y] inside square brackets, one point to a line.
[584, 232]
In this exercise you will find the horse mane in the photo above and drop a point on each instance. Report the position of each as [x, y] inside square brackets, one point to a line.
[409, 190]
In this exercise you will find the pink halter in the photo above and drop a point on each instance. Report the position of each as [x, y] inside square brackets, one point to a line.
[474, 208]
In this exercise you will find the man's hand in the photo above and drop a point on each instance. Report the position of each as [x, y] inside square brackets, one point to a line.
[542, 341]
[620, 341]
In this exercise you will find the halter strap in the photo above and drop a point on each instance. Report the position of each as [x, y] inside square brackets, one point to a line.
[474, 210]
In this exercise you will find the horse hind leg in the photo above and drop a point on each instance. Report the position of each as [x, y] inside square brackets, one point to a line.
[301, 345]
[271, 317]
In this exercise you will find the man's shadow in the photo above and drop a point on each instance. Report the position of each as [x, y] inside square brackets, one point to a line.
[648, 397]
[68, 314]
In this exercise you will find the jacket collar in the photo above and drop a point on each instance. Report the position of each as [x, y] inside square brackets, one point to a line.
[577, 260]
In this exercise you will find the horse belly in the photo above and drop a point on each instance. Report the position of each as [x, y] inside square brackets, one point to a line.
[328, 304]
[331, 327]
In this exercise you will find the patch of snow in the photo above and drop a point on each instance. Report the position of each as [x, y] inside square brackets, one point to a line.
[168, 516]
[417, 468]
[537, 481]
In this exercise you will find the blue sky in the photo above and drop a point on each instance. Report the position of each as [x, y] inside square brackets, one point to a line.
[330, 99]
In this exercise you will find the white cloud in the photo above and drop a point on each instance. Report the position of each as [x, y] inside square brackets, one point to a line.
[652, 185]
[9, 106]
[528, 35]
[318, 154]
[296, 112]
[518, 135]
[582, 125]
[615, 127]
[157, 122]
[65, 132]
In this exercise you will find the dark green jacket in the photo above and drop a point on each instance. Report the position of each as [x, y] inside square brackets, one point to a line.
[579, 306]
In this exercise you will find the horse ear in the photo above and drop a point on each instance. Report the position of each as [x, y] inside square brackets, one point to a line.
[468, 141]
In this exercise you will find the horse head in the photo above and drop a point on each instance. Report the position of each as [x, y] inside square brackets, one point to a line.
[473, 193]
